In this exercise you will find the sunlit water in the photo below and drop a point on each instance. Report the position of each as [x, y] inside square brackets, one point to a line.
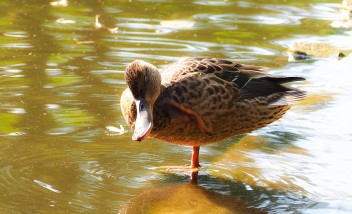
[62, 149]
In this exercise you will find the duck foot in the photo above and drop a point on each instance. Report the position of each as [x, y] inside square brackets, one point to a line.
[182, 168]
[193, 171]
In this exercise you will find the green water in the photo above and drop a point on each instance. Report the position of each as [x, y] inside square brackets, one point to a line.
[62, 149]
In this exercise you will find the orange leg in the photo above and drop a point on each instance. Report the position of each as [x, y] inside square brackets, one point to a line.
[208, 130]
[195, 157]
[195, 164]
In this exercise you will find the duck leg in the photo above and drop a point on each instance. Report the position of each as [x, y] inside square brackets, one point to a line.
[181, 114]
[194, 162]
[195, 157]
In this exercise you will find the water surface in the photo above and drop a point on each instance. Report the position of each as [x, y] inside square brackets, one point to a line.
[62, 149]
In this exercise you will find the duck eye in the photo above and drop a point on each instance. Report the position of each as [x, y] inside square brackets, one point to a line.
[141, 106]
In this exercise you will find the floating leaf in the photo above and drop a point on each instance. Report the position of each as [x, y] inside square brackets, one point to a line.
[60, 3]
[116, 130]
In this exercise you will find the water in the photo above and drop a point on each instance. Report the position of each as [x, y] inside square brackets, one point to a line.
[62, 149]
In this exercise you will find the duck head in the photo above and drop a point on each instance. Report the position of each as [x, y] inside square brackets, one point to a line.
[144, 81]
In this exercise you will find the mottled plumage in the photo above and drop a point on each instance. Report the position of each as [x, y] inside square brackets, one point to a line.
[204, 100]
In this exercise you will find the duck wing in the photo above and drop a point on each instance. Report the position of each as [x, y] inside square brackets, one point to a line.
[225, 70]
[250, 80]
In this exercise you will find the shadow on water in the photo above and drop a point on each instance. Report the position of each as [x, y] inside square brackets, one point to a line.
[213, 195]
[186, 198]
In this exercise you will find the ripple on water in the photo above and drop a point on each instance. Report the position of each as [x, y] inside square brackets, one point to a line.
[48, 177]
[22, 45]
[162, 44]
[148, 27]
[134, 48]
[178, 24]
[16, 34]
[324, 11]
[232, 19]
[22, 178]
[142, 27]
[213, 3]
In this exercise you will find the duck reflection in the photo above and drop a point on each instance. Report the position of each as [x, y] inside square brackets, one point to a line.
[186, 198]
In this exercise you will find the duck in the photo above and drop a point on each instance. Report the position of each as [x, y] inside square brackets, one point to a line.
[200, 100]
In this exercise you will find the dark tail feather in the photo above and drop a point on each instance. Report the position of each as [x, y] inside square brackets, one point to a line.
[271, 87]
[282, 80]
[288, 98]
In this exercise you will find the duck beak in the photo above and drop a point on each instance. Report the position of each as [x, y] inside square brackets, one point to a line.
[144, 121]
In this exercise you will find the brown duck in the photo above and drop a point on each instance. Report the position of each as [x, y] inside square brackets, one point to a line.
[200, 100]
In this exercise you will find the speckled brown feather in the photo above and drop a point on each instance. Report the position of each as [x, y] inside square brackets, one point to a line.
[229, 97]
